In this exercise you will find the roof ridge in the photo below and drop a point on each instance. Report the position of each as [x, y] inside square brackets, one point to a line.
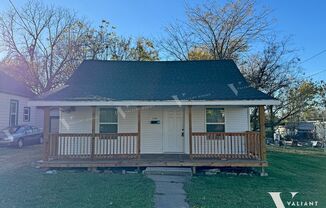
[159, 61]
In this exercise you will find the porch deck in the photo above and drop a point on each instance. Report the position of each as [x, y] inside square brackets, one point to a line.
[155, 160]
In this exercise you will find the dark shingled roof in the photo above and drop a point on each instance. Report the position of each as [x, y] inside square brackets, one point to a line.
[12, 86]
[161, 80]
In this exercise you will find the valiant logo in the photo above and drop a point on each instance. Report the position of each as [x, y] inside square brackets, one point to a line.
[276, 196]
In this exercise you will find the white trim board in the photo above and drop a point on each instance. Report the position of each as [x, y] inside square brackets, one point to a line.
[43, 103]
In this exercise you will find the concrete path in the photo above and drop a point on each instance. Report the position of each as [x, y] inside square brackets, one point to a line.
[169, 191]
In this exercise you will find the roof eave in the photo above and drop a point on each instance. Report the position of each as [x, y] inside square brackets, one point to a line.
[58, 103]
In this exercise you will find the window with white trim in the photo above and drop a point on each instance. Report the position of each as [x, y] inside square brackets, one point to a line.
[108, 120]
[13, 113]
[215, 120]
[27, 114]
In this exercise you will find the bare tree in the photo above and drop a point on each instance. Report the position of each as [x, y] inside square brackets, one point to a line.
[145, 50]
[122, 48]
[44, 43]
[225, 31]
[98, 40]
[276, 72]
[273, 69]
[105, 44]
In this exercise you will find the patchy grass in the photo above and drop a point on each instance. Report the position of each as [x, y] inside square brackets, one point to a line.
[298, 150]
[28, 187]
[288, 172]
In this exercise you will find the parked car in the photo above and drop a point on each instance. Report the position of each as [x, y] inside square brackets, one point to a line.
[20, 136]
[286, 141]
[317, 144]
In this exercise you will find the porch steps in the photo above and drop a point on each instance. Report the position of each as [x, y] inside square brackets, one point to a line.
[176, 171]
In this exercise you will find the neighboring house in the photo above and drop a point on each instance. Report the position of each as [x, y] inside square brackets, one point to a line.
[14, 96]
[14, 110]
[311, 130]
[178, 113]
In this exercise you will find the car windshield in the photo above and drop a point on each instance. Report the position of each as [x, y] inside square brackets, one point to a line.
[12, 130]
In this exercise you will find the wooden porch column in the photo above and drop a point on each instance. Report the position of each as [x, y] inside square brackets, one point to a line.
[262, 132]
[46, 132]
[138, 131]
[93, 132]
[190, 131]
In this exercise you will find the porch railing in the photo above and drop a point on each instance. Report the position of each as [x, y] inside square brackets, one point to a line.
[204, 145]
[89, 146]
[245, 145]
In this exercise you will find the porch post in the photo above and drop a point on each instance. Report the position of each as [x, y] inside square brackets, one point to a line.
[262, 132]
[190, 131]
[93, 131]
[138, 131]
[46, 131]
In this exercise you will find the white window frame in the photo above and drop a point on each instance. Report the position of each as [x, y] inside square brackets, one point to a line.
[28, 114]
[13, 113]
[214, 123]
[114, 123]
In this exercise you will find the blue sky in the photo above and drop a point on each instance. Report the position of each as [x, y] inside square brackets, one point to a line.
[304, 20]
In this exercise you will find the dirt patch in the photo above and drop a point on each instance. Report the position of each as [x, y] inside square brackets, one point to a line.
[12, 158]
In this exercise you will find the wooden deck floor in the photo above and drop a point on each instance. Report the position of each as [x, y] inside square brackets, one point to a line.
[155, 160]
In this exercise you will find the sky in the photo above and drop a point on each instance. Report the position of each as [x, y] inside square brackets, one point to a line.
[303, 20]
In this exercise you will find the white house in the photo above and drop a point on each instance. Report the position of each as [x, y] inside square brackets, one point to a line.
[13, 104]
[175, 113]
[14, 110]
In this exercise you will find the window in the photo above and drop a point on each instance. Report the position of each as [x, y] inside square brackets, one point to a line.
[27, 114]
[108, 120]
[13, 113]
[215, 120]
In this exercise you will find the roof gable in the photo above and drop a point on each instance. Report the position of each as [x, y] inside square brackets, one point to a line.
[136, 80]
[12, 86]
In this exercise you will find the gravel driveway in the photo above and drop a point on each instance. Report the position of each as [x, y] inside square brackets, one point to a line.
[13, 158]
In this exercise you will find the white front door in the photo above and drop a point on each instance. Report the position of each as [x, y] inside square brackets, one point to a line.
[173, 138]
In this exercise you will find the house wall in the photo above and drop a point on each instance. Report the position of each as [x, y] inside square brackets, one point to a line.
[79, 121]
[35, 114]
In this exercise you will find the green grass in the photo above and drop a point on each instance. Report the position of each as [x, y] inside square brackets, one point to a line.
[292, 170]
[303, 173]
[28, 187]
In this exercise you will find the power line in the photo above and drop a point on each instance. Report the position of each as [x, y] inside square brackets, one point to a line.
[12, 4]
[319, 72]
[314, 56]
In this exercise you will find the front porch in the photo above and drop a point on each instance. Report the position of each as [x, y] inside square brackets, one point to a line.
[214, 149]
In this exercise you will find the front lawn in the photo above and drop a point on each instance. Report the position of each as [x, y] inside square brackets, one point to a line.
[28, 187]
[303, 172]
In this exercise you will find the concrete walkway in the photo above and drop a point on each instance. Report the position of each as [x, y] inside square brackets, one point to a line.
[169, 191]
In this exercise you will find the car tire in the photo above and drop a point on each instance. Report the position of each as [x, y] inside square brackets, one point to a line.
[20, 143]
[41, 141]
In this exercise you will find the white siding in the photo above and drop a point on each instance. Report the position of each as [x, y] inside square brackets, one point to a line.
[79, 121]
[236, 119]
[127, 120]
[5, 98]
[152, 134]
[198, 118]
